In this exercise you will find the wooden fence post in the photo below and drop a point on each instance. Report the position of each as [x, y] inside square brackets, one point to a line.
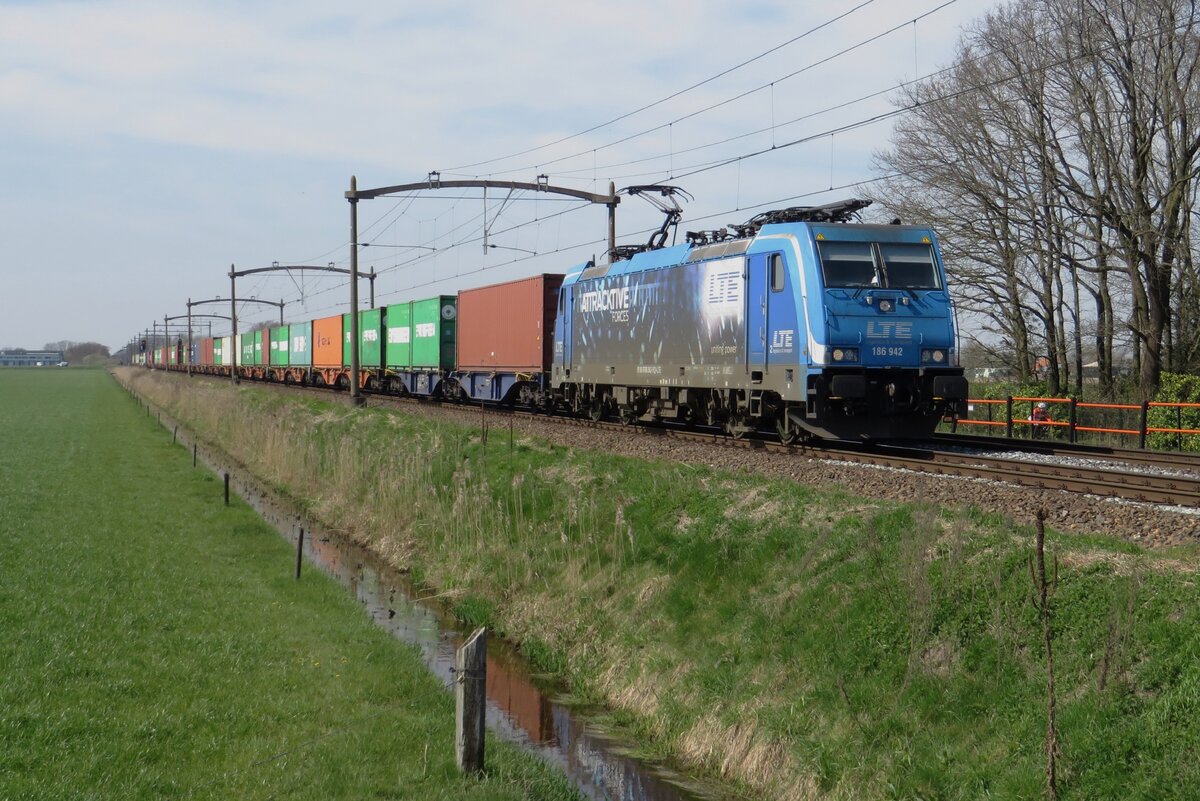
[299, 552]
[470, 701]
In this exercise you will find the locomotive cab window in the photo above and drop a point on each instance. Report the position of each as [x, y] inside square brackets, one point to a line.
[848, 264]
[909, 265]
[777, 280]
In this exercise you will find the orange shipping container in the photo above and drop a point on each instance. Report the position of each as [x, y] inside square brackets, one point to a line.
[508, 327]
[327, 341]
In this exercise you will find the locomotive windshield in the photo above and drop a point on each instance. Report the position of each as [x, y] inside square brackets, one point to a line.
[848, 264]
[909, 265]
[898, 265]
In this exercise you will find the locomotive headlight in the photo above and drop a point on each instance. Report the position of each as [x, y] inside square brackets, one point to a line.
[845, 354]
[939, 356]
[886, 305]
[935, 355]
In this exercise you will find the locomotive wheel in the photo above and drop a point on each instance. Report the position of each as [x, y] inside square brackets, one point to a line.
[736, 426]
[596, 412]
[687, 416]
[788, 437]
[629, 415]
[713, 413]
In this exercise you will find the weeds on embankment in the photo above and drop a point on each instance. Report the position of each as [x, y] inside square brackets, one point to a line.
[155, 644]
[795, 643]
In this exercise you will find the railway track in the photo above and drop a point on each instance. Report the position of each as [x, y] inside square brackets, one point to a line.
[1129, 485]
[1172, 460]
[945, 458]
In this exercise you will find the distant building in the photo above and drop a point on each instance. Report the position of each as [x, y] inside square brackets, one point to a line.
[31, 358]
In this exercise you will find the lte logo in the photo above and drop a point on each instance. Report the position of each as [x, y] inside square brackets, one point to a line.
[781, 340]
[880, 329]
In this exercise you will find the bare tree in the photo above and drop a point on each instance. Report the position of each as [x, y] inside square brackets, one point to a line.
[1059, 157]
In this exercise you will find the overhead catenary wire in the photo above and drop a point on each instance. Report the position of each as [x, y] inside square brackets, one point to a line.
[671, 96]
[720, 104]
[737, 159]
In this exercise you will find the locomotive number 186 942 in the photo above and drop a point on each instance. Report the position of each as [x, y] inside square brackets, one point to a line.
[891, 351]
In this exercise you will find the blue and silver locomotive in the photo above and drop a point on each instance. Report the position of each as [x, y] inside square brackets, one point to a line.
[798, 321]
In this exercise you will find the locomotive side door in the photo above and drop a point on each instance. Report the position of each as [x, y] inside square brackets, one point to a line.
[757, 268]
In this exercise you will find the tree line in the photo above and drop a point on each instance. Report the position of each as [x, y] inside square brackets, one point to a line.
[76, 352]
[1058, 157]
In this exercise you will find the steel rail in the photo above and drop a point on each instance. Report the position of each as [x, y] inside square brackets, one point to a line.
[1172, 459]
[1153, 488]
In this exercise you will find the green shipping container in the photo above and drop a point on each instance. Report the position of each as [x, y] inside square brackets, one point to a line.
[300, 344]
[245, 347]
[279, 346]
[398, 322]
[420, 334]
[258, 347]
[219, 349]
[370, 338]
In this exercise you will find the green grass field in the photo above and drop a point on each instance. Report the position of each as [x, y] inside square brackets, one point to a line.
[788, 642]
[153, 643]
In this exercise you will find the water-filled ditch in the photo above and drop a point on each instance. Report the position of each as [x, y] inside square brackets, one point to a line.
[521, 709]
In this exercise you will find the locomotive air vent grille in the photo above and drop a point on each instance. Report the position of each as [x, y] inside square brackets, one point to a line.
[730, 248]
[595, 271]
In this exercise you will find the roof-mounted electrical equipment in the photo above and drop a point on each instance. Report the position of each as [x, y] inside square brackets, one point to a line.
[840, 212]
[662, 197]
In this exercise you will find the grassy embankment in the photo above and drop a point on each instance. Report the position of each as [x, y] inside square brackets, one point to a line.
[155, 644]
[797, 643]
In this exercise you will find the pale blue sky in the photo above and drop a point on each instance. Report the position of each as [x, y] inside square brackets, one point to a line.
[145, 147]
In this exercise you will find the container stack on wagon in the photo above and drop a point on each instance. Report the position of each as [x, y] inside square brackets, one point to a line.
[299, 352]
[505, 345]
[419, 344]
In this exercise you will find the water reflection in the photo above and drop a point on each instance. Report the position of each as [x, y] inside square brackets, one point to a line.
[519, 710]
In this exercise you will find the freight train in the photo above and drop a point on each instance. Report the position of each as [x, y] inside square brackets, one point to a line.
[798, 322]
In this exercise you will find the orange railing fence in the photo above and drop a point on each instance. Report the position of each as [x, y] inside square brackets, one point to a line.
[1072, 417]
